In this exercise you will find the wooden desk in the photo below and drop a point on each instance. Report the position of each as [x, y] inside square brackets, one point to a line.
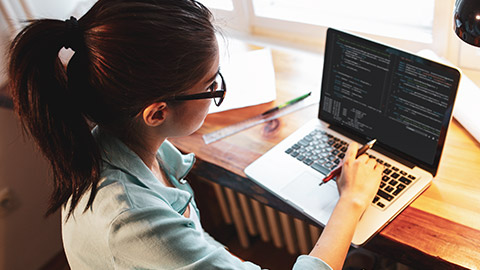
[439, 230]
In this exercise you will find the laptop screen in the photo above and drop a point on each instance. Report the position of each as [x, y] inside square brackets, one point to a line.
[375, 91]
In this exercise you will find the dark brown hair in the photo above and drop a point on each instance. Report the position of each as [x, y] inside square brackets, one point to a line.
[128, 55]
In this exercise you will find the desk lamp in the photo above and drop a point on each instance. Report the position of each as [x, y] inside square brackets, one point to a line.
[467, 21]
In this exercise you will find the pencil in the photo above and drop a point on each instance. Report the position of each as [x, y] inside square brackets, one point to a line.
[338, 170]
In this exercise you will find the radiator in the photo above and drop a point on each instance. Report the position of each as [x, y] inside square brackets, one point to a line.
[252, 218]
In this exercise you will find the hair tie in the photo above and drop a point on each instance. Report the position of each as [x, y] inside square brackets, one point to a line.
[73, 36]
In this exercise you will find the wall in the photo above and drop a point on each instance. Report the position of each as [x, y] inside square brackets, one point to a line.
[27, 239]
[4, 38]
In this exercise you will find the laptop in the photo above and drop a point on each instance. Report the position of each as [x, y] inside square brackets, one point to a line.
[369, 91]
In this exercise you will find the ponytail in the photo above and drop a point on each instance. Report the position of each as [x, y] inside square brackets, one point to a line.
[47, 111]
[128, 54]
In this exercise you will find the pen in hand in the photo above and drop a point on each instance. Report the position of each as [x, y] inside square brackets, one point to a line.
[338, 170]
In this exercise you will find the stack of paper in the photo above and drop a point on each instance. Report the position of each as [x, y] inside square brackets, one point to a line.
[250, 79]
[466, 109]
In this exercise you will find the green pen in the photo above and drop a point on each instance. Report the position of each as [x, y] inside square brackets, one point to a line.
[293, 101]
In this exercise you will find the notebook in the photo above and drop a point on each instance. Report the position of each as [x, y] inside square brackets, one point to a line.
[369, 90]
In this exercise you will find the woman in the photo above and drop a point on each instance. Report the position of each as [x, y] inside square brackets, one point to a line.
[142, 71]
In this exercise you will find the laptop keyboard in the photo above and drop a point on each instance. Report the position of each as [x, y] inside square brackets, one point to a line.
[323, 152]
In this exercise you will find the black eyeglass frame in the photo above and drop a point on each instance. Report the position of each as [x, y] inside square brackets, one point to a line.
[212, 94]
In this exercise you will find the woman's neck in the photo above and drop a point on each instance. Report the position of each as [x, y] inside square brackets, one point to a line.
[147, 149]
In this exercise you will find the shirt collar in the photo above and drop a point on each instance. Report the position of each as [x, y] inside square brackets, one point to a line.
[175, 165]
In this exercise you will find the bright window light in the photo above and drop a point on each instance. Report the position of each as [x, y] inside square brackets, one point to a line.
[406, 19]
[218, 4]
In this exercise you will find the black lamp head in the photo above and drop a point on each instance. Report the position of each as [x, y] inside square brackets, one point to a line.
[466, 21]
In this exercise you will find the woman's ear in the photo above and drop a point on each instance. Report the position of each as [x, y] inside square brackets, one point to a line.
[155, 114]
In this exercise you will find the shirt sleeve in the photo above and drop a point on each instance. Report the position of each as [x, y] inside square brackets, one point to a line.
[160, 238]
[305, 262]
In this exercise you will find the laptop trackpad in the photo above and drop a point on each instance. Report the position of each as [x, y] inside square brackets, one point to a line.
[316, 200]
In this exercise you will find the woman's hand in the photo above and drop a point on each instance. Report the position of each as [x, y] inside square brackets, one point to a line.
[360, 178]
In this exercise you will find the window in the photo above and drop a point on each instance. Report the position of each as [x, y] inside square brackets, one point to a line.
[409, 24]
[388, 18]
[219, 4]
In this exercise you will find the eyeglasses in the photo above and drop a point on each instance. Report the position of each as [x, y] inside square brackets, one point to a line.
[217, 94]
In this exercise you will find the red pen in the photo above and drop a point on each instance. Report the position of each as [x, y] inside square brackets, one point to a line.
[338, 170]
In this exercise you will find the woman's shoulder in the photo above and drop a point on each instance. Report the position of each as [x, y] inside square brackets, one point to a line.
[119, 191]
[124, 191]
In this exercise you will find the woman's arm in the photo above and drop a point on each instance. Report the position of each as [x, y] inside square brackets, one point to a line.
[357, 186]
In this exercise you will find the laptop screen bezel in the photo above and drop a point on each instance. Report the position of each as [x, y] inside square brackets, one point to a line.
[432, 168]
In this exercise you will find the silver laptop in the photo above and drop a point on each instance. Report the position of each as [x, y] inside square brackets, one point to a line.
[369, 90]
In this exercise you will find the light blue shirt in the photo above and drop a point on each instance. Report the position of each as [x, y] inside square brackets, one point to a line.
[136, 222]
